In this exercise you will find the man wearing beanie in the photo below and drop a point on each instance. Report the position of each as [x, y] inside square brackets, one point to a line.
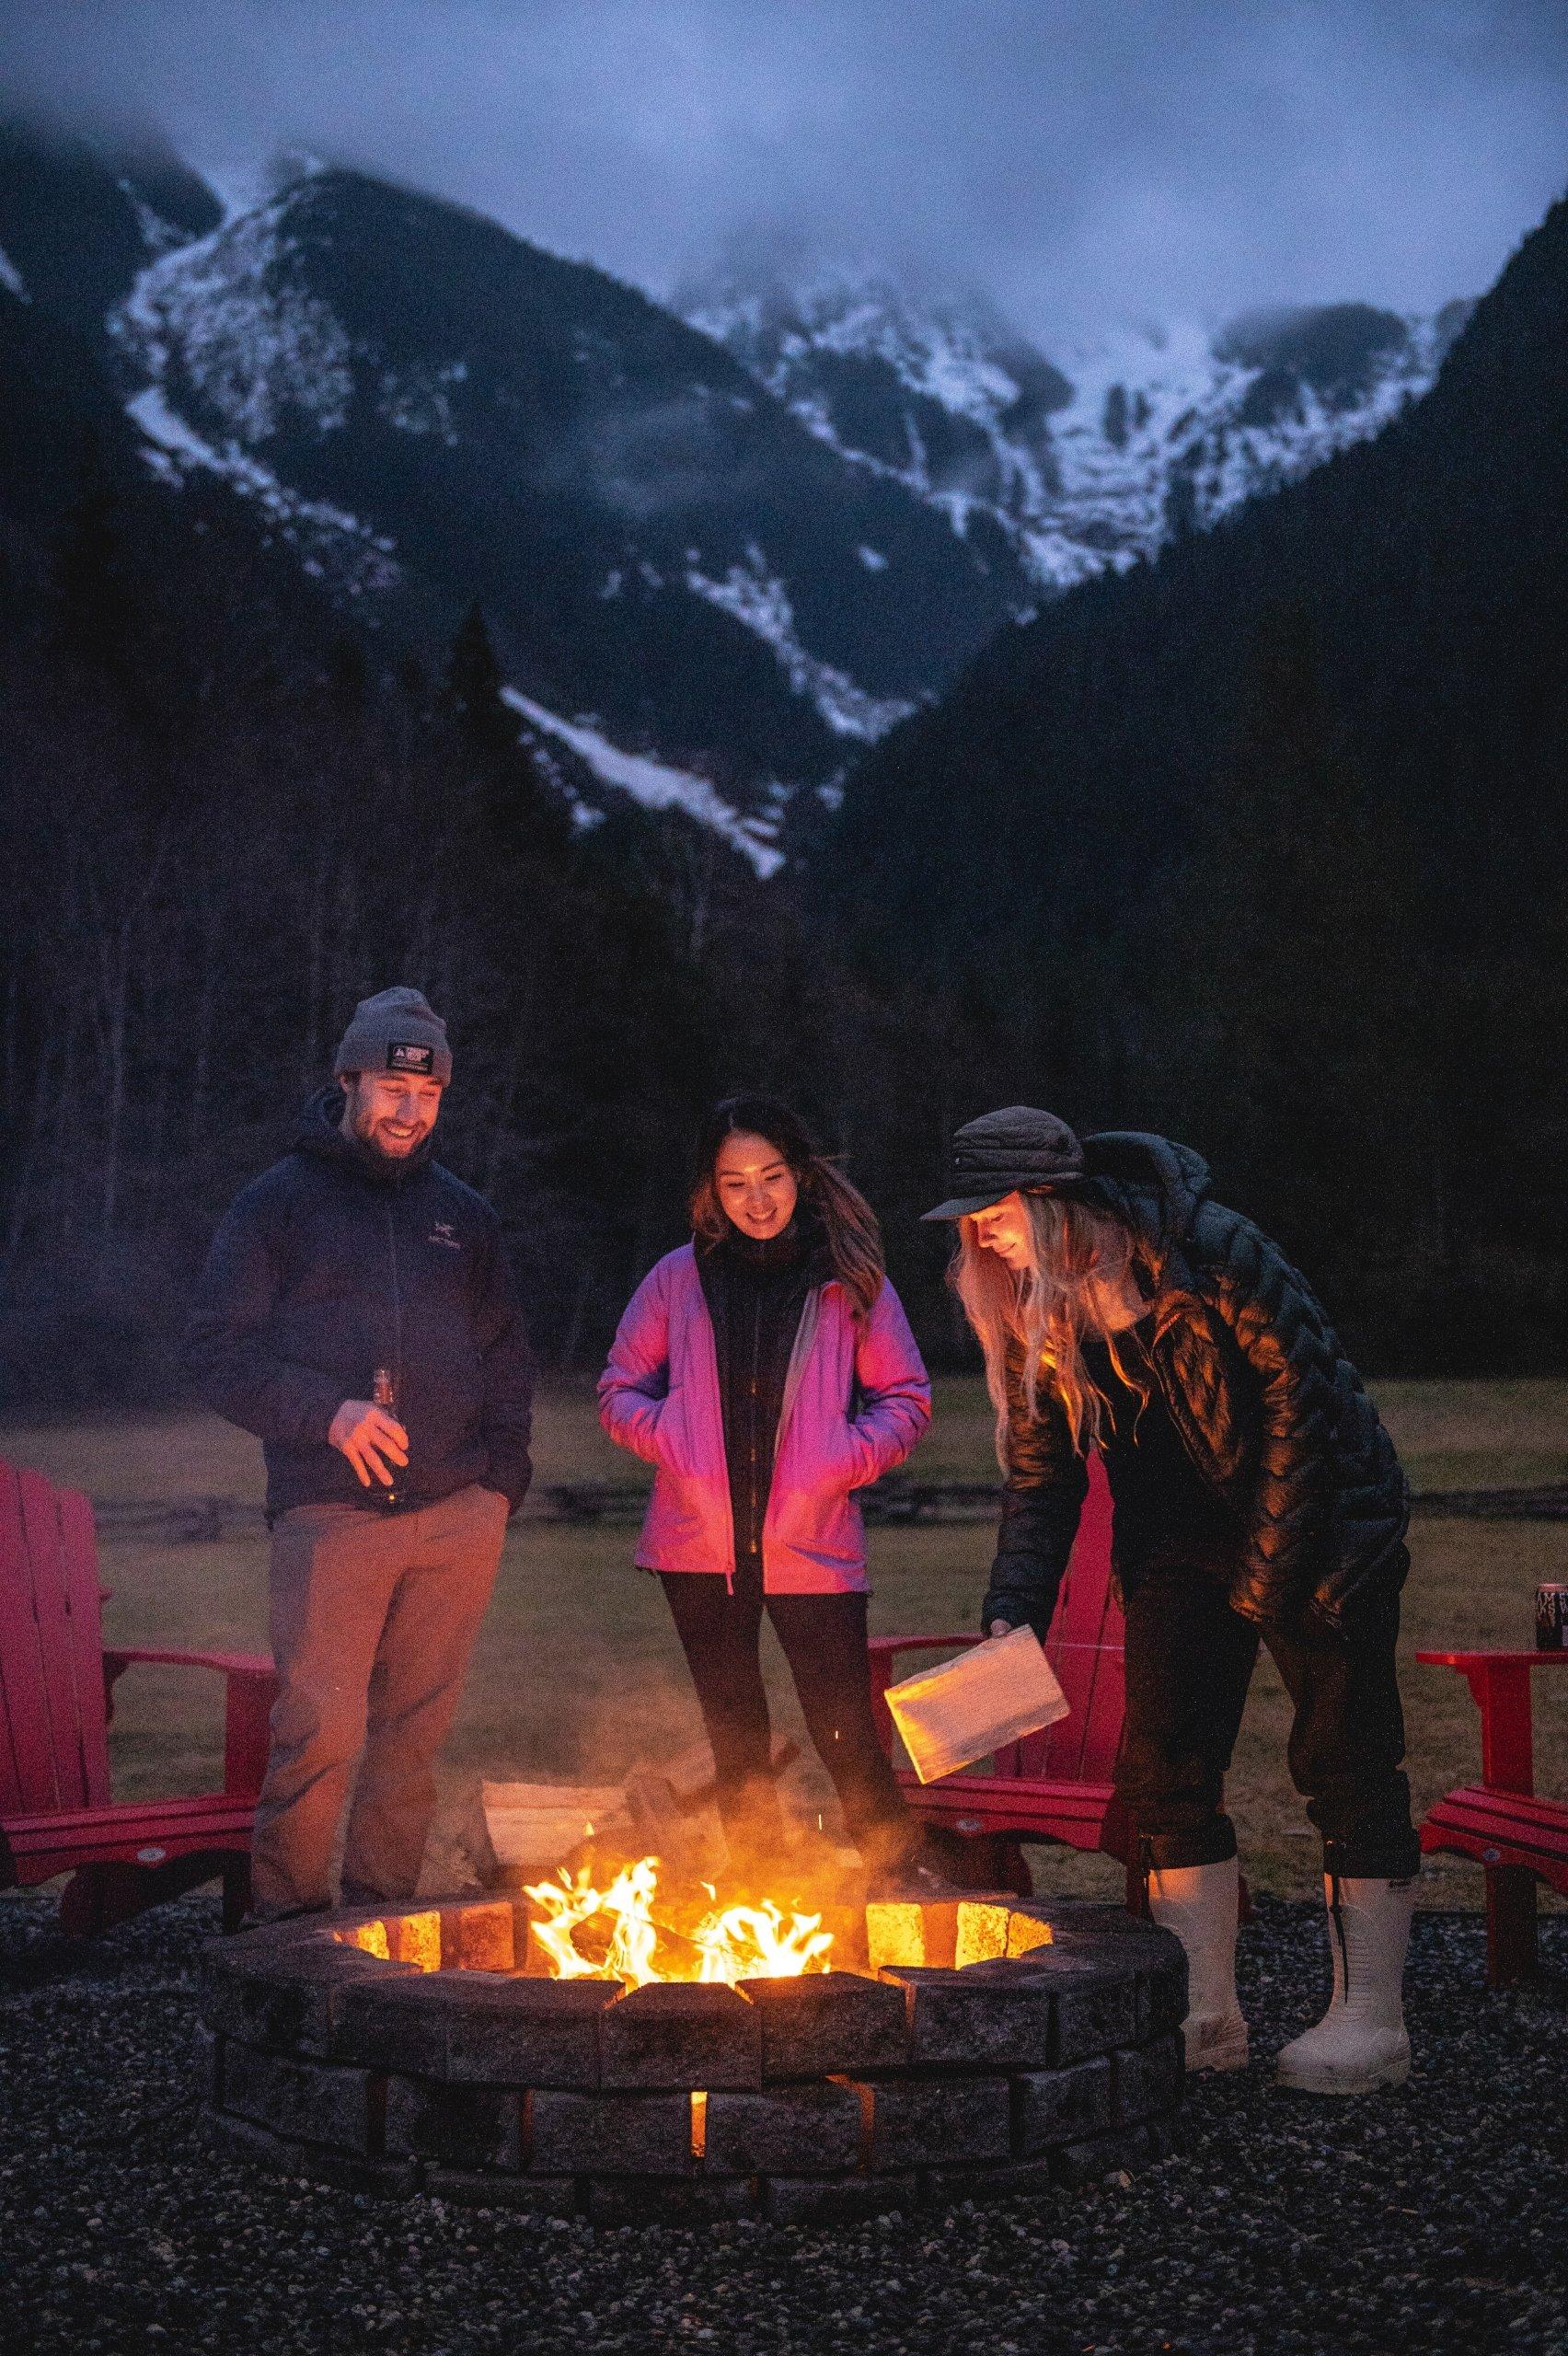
[357, 1314]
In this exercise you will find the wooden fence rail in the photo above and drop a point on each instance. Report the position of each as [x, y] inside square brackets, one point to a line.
[619, 1504]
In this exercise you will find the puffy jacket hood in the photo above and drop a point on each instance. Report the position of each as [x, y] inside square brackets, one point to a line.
[319, 1135]
[1159, 1185]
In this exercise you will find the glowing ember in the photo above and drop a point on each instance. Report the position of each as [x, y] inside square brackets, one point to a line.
[618, 1933]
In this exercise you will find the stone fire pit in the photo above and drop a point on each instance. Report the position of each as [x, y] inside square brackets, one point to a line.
[960, 2048]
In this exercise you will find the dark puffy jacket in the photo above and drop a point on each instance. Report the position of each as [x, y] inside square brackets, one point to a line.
[336, 1262]
[1269, 1409]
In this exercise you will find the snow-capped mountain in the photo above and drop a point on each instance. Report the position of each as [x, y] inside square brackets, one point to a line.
[719, 554]
[432, 410]
[427, 410]
[1092, 458]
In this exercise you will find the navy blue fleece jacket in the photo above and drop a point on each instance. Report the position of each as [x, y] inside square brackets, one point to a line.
[338, 1260]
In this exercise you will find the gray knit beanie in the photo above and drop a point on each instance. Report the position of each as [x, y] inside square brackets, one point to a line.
[396, 1031]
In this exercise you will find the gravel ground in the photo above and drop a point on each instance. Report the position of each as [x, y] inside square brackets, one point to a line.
[1427, 2220]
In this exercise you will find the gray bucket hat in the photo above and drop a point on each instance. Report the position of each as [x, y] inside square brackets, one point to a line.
[1017, 1150]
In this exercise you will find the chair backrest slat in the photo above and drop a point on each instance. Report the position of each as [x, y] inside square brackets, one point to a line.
[84, 1598]
[1087, 1622]
[54, 1753]
[27, 1764]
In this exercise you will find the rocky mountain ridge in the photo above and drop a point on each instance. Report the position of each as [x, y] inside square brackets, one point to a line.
[1089, 459]
[720, 556]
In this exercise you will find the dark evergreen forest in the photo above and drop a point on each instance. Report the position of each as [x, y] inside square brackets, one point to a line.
[1260, 845]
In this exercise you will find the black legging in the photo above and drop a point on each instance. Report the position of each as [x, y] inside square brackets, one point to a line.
[824, 1637]
[1190, 1659]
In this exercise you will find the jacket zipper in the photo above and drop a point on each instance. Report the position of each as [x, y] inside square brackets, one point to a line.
[396, 1308]
[754, 1526]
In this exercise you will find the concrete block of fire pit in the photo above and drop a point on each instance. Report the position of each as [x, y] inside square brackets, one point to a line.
[823, 2200]
[528, 2032]
[1093, 2003]
[1062, 2106]
[923, 2122]
[315, 2102]
[828, 2021]
[681, 2033]
[480, 1935]
[1076, 2165]
[281, 1993]
[396, 2021]
[1088, 1914]
[987, 2016]
[790, 2130]
[463, 2127]
[653, 2200]
[408, 1934]
[911, 1931]
[991, 1928]
[240, 2139]
[647, 2135]
[415, 1937]
[1157, 1956]
[1149, 2080]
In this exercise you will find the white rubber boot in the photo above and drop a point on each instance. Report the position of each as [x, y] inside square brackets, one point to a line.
[1199, 1903]
[1360, 2043]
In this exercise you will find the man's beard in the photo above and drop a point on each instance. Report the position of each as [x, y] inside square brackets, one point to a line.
[365, 1127]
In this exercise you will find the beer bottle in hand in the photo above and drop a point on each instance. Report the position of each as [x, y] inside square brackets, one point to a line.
[384, 1393]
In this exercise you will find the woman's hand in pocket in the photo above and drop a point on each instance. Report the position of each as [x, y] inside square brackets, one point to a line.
[853, 1455]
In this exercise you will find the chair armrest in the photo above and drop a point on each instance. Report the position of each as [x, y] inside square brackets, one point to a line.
[883, 1647]
[1491, 1657]
[252, 1682]
[1500, 1683]
[118, 1658]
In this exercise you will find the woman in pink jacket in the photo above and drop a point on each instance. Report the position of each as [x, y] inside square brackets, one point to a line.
[766, 1370]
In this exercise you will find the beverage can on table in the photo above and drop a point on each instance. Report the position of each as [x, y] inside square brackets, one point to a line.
[1551, 1616]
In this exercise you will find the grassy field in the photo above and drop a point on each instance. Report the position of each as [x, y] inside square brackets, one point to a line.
[577, 1672]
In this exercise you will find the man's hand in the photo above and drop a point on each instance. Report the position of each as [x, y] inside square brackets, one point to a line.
[371, 1439]
[1000, 1628]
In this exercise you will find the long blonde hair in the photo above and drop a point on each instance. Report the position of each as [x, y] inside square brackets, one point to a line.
[1082, 1257]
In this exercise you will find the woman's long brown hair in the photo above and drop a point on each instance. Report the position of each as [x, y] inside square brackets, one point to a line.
[1043, 1316]
[854, 1238]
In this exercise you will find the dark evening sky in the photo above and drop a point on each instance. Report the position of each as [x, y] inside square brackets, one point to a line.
[1084, 161]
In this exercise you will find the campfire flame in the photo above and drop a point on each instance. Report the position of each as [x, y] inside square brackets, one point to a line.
[584, 1932]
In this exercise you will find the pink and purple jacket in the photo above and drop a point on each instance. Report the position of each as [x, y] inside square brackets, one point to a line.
[659, 1396]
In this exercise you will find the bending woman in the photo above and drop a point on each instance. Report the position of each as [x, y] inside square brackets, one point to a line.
[766, 1370]
[1256, 1496]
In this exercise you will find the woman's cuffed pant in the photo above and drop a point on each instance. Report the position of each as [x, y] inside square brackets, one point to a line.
[824, 1641]
[1189, 1660]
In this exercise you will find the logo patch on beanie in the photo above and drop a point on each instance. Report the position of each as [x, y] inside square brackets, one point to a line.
[408, 1055]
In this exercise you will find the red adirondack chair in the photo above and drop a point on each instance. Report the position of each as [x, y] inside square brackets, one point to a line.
[1518, 1837]
[1050, 1786]
[56, 1701]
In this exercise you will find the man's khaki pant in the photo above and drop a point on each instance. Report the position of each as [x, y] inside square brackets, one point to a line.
[374, 1616]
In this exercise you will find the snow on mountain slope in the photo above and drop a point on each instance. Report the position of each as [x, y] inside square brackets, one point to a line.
[184, 327]
[653, 783]
[1086, 465]
[660, 547]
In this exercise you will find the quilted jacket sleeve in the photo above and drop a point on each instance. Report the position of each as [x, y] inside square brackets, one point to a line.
[1290, 1352]
[1043, 1496]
